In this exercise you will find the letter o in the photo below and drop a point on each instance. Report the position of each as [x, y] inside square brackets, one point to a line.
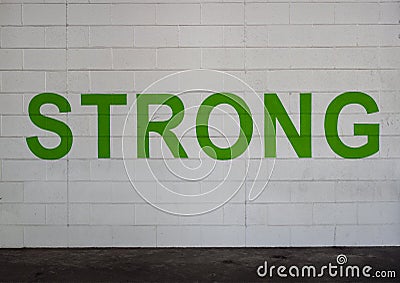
[246, 126]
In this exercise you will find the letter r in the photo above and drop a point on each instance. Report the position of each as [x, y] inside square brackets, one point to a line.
[163, 128]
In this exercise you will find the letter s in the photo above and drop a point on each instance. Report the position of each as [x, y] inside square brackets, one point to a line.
[49, 124]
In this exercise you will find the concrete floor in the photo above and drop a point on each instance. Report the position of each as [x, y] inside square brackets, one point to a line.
[183, 264]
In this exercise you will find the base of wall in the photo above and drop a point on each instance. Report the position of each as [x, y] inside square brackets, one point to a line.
[186, 264]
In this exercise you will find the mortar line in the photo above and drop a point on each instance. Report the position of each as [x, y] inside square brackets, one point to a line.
[67, 94]
[245, 76]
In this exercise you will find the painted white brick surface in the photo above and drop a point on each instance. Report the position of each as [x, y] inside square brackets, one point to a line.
[72, 47]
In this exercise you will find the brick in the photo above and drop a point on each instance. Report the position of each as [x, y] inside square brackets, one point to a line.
[22, 170]
[23, 81]
[256, 214]
[356, 13]
[103, 169]
[78, 81]
[112, 214]
[146, 214]
[215, 217]
[11, 104]
[311, 13]
[379, 213]
[109, 36]
[363, 235]
[43, 192]
[137, 236]
[178, 236]
[78, 36]
[234, 36]
[143, 79]
[86, 191]
[261, 236]
[260, 58]
[23, 37]
[23, 214]
[267, 13]
[300, 80]
[89, 59]
[11, 59]
[256, 36]
[334, 213]
[133, 59]
[11, 236]
[114, 81]
[290, 35]
[196, 36]
[10, 128]
[312, 236]
[178, 14]
[302, 58]
[199, 79]
[45, 236]
[156, 36]
[11, 192]
[234, 214]
[182, 58]
[377, 35]
[356, 58]
[55, 37]
[80, 169]
[218, 58]
[313, 192]
[389, 57]
[79, 213]
[389, 13]
[44, 14]
[222, 14]
[133, 14]
[389, 148]
[389, 81]
[289, 214]
[84, 125]
[332, 35]
[222, 236]
[56, 81]
[89, 14]
[49, 59]
[90, 236]
[56, 170]
[123, 192]
[56, 214]
[10, 14]
[272, 191]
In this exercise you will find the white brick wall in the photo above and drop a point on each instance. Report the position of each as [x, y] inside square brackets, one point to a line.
[110, 46]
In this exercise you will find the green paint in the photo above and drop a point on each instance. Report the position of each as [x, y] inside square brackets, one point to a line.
[369, 130]
[274, 111]
[103, 103]
[49, 124]
[246, 126]
[163, 128]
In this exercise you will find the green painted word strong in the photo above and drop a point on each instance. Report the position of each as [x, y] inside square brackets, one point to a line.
[274, 112]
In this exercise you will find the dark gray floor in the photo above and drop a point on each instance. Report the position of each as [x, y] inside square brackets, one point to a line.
[185, 265]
